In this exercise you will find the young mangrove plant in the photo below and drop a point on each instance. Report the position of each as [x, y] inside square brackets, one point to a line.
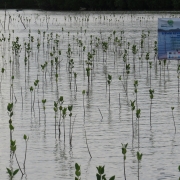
[75, 84]
[127, 74]
[101, 174]
[44, 102]
[124, 150]
[89, 67]
[13, 150]
[138, 113]
[109, 80]
[55, 111]
[139, 157]
[134, 51]
[10, 113]
[132, 109]
[60, 101]
[172, 108]
[150, 66]
[12, 173]
[26, 138]
[63, 116]
[147, 58]
[77, 171]
[135, 90]
[70, 107]
[151, 94]
[31, 90]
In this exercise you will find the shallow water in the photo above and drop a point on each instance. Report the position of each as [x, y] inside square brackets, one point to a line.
[49, 158]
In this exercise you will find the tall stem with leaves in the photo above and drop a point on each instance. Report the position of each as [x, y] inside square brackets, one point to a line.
[132, 109]
[63, 116]
[70, 107]
[60, 100]
[10, 113]
[109, 80]
[55, 111]
[139, 157]
[138, 113]
[151, 94]
[124, 150]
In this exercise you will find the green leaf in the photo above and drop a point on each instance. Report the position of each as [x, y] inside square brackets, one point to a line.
[78, 173]
[102, 170]
[77, 166]
[98, 177]
[179, 168]
[112, 178]
[104, 177]
[76, 178]
[25, 137]
[11, 127]
[15, 172]
[9, 172]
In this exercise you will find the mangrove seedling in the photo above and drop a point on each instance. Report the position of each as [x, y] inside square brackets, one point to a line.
[135, 90]
[77, 172]
[10, 113]
[12, 173]
[147, 58]
[70, 126]
[13, 150]
[75, 85]
[60, 100]
[55, 111]
[138, 113]
[26, 138]
[31, 90]
[100, 175]
[172, 108]
[132, 109]
[139, 157]
[109, 80]
[44, 102]
[124, 150]
[63, 116]
[151, 94]
[150, 66]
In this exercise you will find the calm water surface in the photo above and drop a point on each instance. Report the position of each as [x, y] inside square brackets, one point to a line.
[49, 158]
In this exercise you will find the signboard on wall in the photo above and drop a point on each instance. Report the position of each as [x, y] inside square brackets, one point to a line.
[168, 38]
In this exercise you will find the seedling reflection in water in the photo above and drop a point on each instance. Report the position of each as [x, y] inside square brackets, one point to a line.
[172, 108]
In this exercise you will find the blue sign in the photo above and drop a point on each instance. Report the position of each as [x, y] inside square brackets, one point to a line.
[168, 38]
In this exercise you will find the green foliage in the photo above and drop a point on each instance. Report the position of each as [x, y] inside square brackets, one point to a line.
[138, 113]
[11, 172]
[77, 172]
[100, 175]
[132, 105]
[139, 156]
[151, 93]
[109, 79]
